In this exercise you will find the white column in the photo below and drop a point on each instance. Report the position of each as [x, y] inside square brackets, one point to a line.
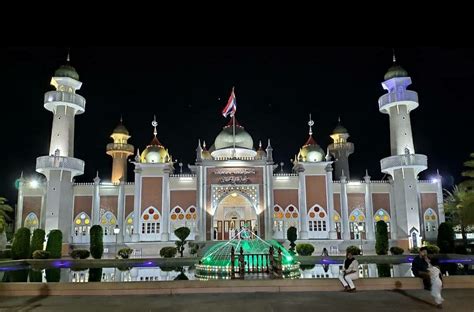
[121, 211]
[330, 201]
[302, 207]
[165, 207]
[439, 199]
[346, 235]
[393, 211]
[136, 205]
[202, 203]
[369, 217]
[269, 203]
[96, 202]
[42, 217]
[19, 205]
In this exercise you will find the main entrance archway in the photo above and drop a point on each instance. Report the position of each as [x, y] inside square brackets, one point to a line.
[233, 212]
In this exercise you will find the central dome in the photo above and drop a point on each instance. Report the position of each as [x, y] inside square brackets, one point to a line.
[225, 138]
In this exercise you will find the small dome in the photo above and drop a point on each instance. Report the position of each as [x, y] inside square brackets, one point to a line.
[395, 71]
[225, 138]
[205, 154]
[121, 129]
[66, 71]
[155, 153]
[339, 129]
[260, 152]
[311, 151]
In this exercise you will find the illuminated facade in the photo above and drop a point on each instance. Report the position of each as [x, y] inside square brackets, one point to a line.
[233, 183]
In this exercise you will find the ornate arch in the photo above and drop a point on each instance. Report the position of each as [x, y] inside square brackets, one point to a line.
[31, 221]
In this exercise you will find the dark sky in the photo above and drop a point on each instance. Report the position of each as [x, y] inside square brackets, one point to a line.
[276, 89]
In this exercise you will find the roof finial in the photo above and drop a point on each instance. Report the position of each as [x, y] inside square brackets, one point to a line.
[260, 144]
[204, 144]
[339, 119]
[121, 119]
[310, 124]
[394, 59]
[68, 59]
[154, 124]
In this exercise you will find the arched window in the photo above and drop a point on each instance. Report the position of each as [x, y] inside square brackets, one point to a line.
[431, 220]
[357, 224]
[278, 215]
[108, 222]
[128, 225]
[31, 221]
[337, 224]
[150, 221]
[382, 215]
[178, 218]
[317, 219]
[82, 224]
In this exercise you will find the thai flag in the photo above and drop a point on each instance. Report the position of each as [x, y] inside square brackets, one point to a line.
[231, 106]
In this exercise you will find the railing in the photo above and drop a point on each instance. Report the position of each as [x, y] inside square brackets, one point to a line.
[283, 174]
[256, 263]
[59, 96]
[83, 183]
[235, 158]
[183, 175]
[120, 147]
[61, 163]
[404, 95]
[408, 160]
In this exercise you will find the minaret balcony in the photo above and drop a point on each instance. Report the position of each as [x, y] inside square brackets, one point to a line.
[120, 147]
[53, 99]
[44, 164]
[418, 162]
[401, 97]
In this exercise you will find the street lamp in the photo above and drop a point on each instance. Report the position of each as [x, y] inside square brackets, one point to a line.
[360, 228]
[116, 233]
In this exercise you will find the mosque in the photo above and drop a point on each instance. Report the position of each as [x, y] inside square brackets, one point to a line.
[233, 182]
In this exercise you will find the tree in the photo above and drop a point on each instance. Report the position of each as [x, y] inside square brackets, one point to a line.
[381, 238]
[96, 241]
[182, 233]
[445, 239]
[5, 210]
[21, 244]
[459, 207]
[292, 236]
[37, 241]
[54, 244]
[469, 183]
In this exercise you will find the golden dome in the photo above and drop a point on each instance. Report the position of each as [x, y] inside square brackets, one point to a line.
[155, 153]
[225, 138]
[311, 151]
[205, 154]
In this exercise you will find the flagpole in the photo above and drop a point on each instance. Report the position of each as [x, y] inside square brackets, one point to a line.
[233, 126]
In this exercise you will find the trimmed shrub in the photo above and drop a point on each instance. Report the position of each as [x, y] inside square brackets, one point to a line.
[292, 235]
[168, 252]
[182, 233]
[41, 254]
[381, 238]
[37, 241]
[95, 274]
[396, 250]
[53, 275]
[432, 249]
[124, 253]
[21, 244]
[354, 250]
[54, 244]
[445, 239]
[96, 241]
[414, 250]
[36, 276]
[305, 249]
[5, 254]
[383, 269]
[80, 254]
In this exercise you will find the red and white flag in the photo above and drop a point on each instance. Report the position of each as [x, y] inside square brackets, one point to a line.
[231, 106]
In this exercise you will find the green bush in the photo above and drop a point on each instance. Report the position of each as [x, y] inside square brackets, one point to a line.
[305, 249]
[354, 250]
[97, 244]
[54, 244]
[21, 244]
[124, 253]
[80, 254]
[41, 254]
[384, 269]
[414, 250]
[432, 249]
[53, 275]
[292, 235]
[445, 239]
[381, 238]
[37, 241]
[168, 252]
[95, 275]
[36, 276]
[5, 254]
[182, 233]
[396, 250]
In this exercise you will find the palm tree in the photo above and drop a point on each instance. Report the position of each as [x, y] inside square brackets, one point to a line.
[5, 209]
[459, 208]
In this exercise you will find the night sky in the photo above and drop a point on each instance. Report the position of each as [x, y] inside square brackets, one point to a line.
[276, 89]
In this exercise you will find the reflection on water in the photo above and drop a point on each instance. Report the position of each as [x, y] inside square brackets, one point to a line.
[142, 274]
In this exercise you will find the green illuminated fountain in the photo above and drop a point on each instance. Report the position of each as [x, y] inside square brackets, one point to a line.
[251, 254]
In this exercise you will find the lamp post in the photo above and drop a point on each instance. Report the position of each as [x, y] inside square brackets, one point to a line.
[116, 233]
[360, 228]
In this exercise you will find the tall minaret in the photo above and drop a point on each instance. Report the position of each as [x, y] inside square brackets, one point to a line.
[61, 166]
[404, 165]
[120, 150]
[340, 149]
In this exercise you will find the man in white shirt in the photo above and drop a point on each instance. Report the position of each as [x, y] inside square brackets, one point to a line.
[349, 273]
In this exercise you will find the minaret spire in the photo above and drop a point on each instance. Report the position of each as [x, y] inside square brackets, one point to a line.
[154, 124]
[394, 59]
[68, 59]
[310, 124]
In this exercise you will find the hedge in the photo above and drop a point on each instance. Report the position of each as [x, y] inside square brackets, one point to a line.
[21, 244]
[96, 242]
[304, 249]
[54, 244]
[37, 241]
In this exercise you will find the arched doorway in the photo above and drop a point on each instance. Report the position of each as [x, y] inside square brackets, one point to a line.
[232, 213]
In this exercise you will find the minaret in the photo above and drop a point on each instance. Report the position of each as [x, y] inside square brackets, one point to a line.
[404, 165]
[60, 166]
[340, 149]
[120, 150]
